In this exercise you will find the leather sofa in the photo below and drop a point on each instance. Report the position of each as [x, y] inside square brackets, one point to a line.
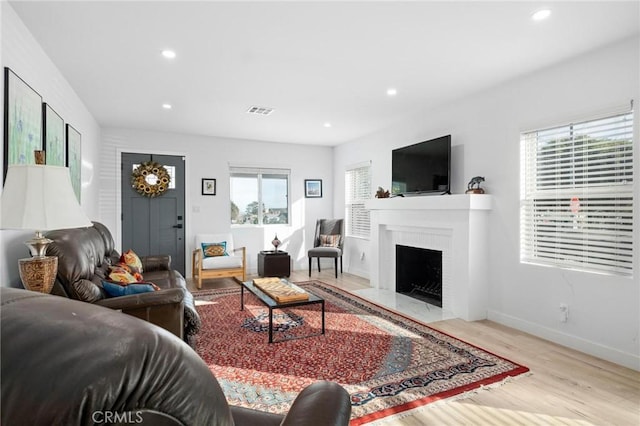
[84, 258]
[69, 363]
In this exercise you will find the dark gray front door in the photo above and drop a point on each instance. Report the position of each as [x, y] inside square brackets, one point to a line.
[154, 225]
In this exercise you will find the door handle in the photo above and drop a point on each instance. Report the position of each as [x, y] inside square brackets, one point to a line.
[178, 226]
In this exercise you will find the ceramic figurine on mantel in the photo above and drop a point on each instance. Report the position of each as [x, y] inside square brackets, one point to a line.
[476, 181]
[276, 242]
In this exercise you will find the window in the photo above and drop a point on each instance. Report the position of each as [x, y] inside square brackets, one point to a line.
[259, 196]
[576, 206]
[357, 189]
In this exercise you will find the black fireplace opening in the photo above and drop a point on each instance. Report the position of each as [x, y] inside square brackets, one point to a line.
[419, 273]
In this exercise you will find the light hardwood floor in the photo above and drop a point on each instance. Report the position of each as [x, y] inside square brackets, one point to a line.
[564, 387]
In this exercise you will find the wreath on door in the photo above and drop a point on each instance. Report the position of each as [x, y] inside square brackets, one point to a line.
[150, 179]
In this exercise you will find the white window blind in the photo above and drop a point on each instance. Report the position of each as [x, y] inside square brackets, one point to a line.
[576, 206]
[357, 190]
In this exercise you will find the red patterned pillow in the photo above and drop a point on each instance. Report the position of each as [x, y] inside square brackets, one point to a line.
[131, 260]
[123, 266]
[121, 275]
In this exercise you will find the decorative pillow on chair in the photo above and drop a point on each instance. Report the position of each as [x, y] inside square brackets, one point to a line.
[123, 266]
[131, 260]
[215, 249]
[122, 273]
[115, 289]
[329, 240]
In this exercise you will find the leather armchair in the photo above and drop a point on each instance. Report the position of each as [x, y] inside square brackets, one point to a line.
[65, 362]
[84, 258]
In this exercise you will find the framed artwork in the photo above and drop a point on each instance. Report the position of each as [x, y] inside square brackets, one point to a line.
[22, 121]
[53, 137]
[208, 186]
[74, 159]
[313, 188]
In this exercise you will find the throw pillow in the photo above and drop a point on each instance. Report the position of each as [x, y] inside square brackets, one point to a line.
[132, 260]
[121, 275]
[123, 266]
[215, 249]
[329, 240]
[115, 289]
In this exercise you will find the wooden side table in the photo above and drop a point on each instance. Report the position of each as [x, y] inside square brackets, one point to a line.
[274, 264]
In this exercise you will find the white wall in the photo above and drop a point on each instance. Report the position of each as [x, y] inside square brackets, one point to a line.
[25, 57]
[210, 157]
[604, 310]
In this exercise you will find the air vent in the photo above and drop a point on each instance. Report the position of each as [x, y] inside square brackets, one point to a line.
[259, 110]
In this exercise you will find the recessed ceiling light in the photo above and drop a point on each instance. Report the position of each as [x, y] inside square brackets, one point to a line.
[169, 54]
[166, 106]
[327, 124]
[392, 91]
[541, 15]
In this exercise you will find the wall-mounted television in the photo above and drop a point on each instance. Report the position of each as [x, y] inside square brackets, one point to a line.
[422, 168]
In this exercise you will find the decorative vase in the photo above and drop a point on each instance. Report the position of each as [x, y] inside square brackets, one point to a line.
[276, 242]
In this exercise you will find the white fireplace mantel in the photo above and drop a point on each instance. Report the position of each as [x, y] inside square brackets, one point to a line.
[433, 202]
[457, 225]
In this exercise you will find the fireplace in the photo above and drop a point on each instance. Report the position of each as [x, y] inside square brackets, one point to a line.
[419, 273]
[458, 225]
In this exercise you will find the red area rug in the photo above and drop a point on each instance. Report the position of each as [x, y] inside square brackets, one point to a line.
[387, 362]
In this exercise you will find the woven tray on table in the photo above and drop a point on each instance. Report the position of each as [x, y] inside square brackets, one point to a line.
[281, 290]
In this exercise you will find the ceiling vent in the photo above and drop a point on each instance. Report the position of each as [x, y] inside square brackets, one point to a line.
[259, 110]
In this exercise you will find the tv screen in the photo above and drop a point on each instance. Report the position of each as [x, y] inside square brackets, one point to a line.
[422, 168]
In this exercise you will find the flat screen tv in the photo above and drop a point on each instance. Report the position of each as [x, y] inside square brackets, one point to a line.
[422, 168]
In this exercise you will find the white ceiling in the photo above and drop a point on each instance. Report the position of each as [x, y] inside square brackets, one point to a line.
[313, 62]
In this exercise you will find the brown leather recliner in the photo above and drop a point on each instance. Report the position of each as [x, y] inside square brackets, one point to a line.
[69, 363]
[84, 257]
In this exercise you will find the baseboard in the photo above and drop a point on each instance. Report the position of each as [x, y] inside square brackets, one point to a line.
[616, 356]
[363, 273]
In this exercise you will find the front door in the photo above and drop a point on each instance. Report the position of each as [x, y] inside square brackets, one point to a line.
[154, 225]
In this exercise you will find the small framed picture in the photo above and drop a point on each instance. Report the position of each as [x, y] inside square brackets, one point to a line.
[208, 186]
[313, 188]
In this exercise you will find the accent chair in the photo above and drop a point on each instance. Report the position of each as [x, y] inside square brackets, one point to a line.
[215, 256]
[328, 242]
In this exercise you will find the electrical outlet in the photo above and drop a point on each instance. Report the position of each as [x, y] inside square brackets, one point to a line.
[564, 312]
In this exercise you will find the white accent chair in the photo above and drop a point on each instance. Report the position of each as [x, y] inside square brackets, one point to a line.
[233, 265]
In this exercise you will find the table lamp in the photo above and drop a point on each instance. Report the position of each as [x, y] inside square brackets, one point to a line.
[40, 198]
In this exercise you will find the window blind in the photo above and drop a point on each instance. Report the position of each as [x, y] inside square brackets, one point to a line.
[577, 202]
[357, 190]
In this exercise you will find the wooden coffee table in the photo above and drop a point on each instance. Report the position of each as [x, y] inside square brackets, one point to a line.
[271, 304]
